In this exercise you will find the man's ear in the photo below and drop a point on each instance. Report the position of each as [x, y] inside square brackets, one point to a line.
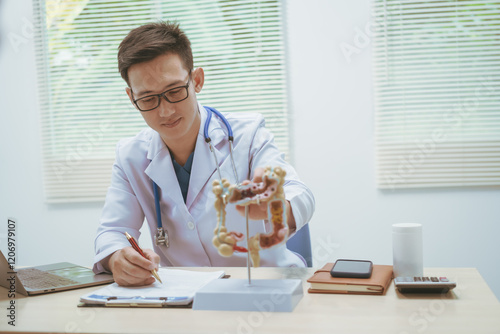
[129, 93]
[198, 79]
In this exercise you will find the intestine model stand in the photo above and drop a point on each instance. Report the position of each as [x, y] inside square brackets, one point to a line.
[270, 191]
[240, 294]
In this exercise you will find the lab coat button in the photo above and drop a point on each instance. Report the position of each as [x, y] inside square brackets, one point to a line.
[191, 225]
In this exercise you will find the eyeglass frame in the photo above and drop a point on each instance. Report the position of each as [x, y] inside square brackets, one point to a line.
[186, 86]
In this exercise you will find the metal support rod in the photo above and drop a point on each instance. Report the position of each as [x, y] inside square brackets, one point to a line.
[232, 162]
[216, 162]
[248, 247]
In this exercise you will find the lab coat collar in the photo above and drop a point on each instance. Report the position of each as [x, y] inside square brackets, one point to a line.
[156, 146]
[161, 169]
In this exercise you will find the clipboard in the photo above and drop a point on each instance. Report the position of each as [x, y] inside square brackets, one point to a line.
[178, 290]
[137, 301]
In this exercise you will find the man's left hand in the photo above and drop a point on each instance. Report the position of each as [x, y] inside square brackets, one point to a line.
[259, 211]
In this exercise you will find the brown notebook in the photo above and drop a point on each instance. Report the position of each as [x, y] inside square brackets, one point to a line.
[323, 282]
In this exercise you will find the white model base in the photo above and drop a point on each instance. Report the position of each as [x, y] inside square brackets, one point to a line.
[262, 295]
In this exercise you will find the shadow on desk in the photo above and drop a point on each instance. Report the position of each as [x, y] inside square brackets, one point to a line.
[450, 295]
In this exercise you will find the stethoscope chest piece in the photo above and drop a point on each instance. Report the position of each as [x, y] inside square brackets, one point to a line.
[161, 238]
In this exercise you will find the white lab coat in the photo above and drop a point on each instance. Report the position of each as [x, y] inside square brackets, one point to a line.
[190, 225]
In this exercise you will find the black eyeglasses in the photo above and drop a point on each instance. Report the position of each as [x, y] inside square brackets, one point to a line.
[172, 95]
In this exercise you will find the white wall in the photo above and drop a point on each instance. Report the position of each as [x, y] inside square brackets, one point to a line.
[331, 101]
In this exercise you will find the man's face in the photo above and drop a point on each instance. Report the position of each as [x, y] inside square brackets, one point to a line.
[174, 122]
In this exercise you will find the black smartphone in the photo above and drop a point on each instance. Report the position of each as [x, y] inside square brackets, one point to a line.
[352, 268]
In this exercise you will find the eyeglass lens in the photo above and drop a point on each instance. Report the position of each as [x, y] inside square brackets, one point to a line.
[173, 96]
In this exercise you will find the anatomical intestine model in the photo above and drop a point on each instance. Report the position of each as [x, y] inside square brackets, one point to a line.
[270, 191]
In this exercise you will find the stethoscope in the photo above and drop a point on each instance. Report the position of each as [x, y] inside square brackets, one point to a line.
[161, 237]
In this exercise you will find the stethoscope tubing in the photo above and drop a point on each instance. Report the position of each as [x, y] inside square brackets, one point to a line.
[160, 228]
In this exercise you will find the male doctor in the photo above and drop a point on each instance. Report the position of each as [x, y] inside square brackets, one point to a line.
[156, 62]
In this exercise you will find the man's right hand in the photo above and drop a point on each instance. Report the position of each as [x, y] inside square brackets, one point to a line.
[129, 268]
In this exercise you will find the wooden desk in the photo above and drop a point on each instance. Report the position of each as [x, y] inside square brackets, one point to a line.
[470, 308]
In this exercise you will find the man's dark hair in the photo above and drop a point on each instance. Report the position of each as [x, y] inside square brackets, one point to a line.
[149, 41]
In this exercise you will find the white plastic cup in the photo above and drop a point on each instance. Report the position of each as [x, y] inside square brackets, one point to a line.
[407, 250]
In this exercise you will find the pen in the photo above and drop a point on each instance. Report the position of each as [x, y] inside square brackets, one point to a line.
[139, 250]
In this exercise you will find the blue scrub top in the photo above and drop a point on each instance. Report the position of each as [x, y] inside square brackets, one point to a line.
[183, 173]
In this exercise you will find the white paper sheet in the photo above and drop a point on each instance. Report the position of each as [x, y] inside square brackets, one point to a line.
[176, 283]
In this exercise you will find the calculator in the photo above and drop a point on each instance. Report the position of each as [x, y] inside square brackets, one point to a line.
[424, 284]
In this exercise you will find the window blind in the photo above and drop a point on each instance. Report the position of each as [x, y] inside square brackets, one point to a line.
[84, 107]
[437, 87]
